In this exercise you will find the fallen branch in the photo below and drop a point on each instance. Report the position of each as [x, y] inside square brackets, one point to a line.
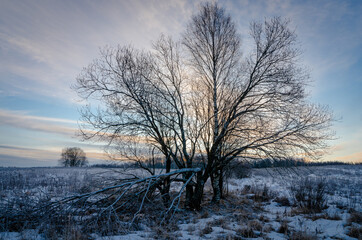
[127, 194]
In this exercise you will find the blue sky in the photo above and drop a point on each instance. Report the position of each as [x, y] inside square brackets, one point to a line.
[45, 44]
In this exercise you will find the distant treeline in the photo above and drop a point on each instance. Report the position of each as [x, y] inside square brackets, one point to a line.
[268, 163]
[260, 163]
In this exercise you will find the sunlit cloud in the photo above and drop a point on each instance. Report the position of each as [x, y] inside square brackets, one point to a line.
[354, 157]
[48, 43]
[327, 30]
[40, 155]
[23, 121]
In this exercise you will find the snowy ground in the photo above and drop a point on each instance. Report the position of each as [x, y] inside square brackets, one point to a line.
[259, 207]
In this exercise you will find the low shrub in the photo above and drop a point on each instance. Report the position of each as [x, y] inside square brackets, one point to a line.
[283, 201]
[284, 228]
[309, 195]
[355, 232]
[262, 194]
[238, 170]
[355, 216]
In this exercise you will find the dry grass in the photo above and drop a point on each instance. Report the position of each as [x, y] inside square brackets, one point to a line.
[166, 232]
[268, 228]
[206, 230]
[283, 201]
[246, 232]
[228, 237]
[315, 217]
[263, 218]
[259, 193]
[284, 228]
[310, 195]
[355, 216]
[355, 232]
[301, 235]
[204, 214]
[255, 225]
[221, 222]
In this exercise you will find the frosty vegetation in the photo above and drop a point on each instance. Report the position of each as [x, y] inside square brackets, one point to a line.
[267, 204]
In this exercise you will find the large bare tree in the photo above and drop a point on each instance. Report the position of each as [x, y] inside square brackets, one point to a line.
[200, 103]
[254, 106]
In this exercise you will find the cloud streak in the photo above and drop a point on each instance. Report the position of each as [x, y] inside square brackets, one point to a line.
[48, 43]
[21, 120]
[354, 157]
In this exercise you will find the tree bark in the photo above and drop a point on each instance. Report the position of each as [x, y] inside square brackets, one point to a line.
[165, 193]
[215, 182]
[189, 197]
[199, 191]
[221, 182]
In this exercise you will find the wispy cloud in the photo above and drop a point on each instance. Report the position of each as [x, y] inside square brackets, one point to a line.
[38, 154]
[22, 120]
[48, 43]
[354, 157]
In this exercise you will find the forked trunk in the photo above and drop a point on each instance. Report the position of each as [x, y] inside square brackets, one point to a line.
[194, 194]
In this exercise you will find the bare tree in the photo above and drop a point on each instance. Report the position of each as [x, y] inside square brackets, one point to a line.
[73, 157]
[144, 110]
[200, 103]
[256, 106]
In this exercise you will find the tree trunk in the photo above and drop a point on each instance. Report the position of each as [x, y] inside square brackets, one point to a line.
[195, 194]
[189, 197]
[199, 191]
[221, 182]
[165, 193]
[215, 182]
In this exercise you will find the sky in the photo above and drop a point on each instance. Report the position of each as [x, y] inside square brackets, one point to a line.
[45, 44]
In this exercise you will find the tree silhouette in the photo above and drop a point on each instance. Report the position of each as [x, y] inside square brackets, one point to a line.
[73, 157]
[200, 103]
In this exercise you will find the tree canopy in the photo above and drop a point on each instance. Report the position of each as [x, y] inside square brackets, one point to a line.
[200, 102]
[73, 157]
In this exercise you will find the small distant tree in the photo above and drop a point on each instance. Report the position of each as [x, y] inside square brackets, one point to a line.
[73, 157]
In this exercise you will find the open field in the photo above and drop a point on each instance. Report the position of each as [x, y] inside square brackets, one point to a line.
[295, 203]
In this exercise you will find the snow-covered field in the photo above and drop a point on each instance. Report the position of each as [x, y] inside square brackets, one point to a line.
[263, 206]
